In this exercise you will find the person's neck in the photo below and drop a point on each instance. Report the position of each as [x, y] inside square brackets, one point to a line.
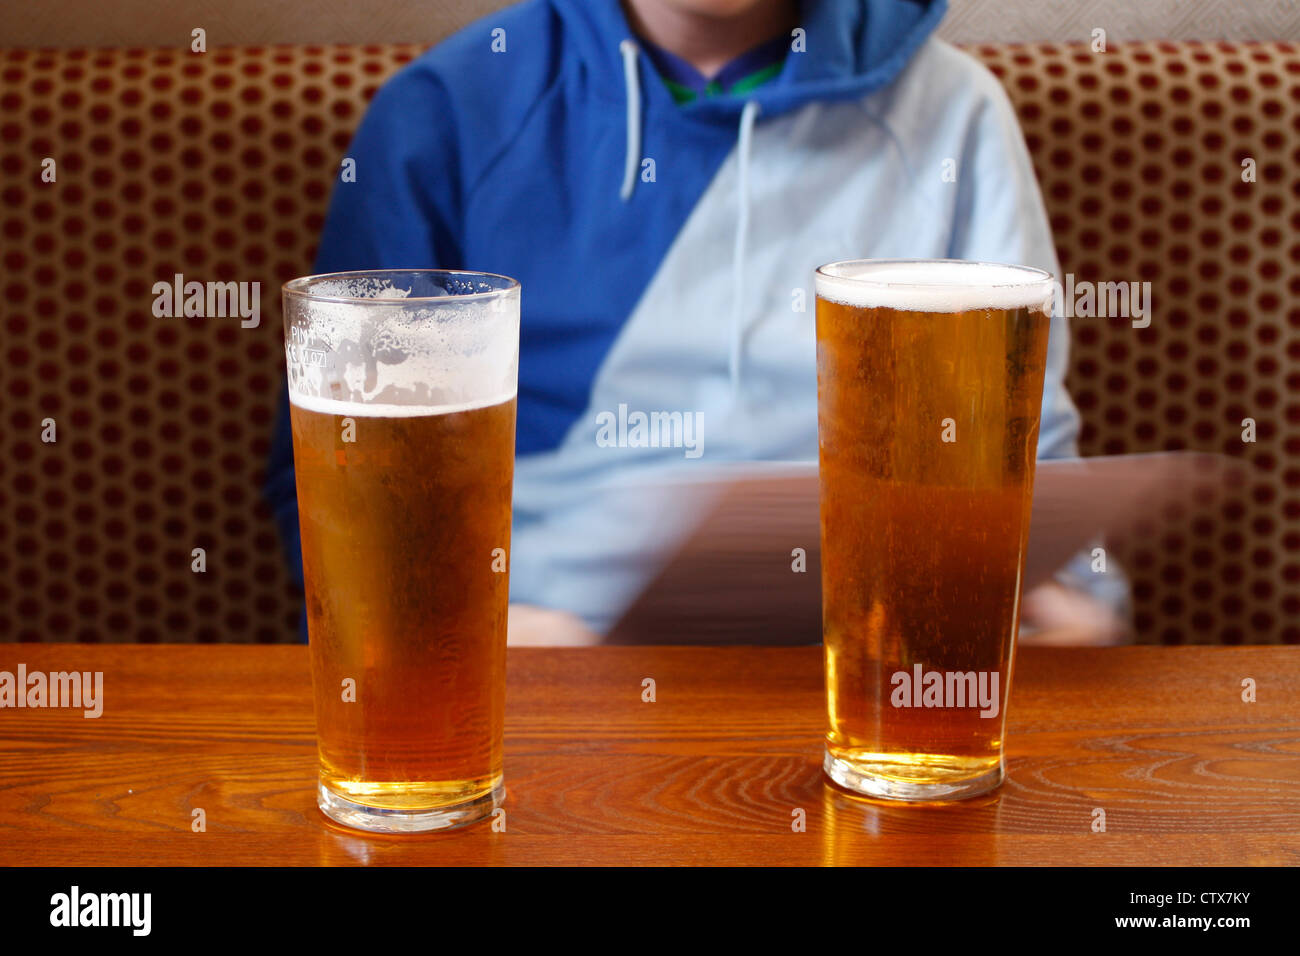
[709, 43]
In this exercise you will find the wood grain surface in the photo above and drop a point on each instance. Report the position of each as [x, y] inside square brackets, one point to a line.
[712, 772]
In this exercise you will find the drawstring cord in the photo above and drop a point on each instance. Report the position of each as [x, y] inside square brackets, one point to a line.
[633, 160]
[744, 145]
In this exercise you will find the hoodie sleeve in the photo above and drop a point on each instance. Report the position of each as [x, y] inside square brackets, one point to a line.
[1000, 218]
[400, 210]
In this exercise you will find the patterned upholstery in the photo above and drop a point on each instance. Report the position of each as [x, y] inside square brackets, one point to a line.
[218, 166]
[1139, 155]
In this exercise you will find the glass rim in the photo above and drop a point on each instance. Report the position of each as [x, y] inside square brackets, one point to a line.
[296, 288]
[1034, 276]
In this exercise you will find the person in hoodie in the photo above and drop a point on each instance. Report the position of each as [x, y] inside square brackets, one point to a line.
[663, 177]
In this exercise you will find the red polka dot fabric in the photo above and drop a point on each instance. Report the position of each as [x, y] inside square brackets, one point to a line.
[218, 166]
[1139, 153]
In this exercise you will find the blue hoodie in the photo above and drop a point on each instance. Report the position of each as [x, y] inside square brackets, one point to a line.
[665, 251]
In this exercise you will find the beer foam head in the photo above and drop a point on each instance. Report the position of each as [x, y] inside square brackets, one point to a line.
[944, 285]
[330, 406]
[424, 340]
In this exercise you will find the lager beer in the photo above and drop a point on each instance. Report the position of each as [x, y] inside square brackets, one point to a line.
[930, 381]
[403, 415]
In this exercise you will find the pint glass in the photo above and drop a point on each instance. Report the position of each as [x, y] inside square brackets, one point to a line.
[402, 398]
[930, 381]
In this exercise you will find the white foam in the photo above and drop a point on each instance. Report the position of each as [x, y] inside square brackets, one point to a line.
[402, 358]
[943, 286]
[333, 406]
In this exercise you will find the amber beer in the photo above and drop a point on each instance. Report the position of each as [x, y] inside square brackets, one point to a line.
[404, 510]
[930, 381]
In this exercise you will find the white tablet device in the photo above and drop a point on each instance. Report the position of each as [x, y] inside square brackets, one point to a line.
[730, 571]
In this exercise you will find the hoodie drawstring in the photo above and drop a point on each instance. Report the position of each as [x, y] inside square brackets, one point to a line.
[633, 160]
[744, 146]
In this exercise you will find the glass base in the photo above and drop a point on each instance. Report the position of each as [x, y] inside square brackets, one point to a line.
[381, 820]
[875, 780]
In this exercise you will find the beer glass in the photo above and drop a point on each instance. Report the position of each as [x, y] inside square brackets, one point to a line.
[402, 392]
[930, 382]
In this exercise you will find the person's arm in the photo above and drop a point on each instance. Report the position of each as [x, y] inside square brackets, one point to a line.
[401, 211]
[1000, 218]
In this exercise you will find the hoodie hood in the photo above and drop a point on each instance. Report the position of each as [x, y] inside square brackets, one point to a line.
[860, 46]
[848, 49]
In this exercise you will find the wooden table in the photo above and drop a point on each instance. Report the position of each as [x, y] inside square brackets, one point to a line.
[712, 772]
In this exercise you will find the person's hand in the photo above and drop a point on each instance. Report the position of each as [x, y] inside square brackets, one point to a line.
[1054, 615]
[531, 626]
